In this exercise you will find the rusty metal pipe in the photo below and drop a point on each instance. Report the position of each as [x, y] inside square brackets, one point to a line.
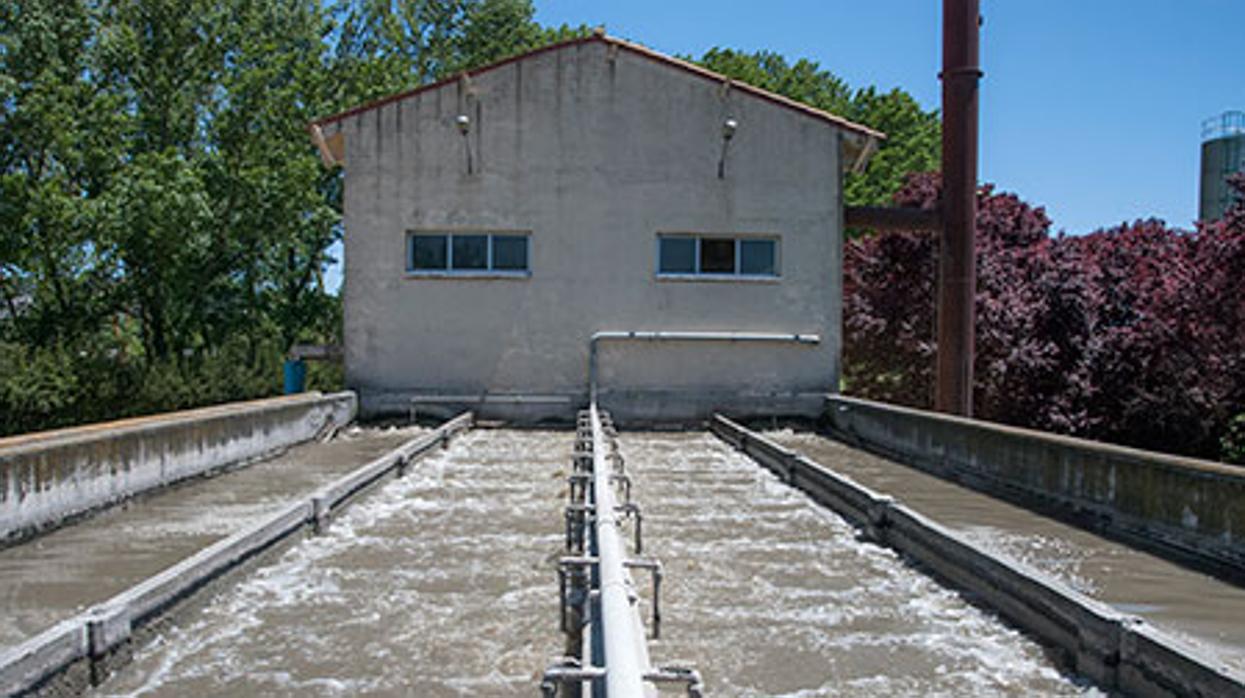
[957, 272]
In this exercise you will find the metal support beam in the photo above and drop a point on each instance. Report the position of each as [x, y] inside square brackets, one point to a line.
[882, 218]
[957, 273]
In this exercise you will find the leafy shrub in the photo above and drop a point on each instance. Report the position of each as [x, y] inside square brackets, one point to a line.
[47, 388]
[1134, 334]
[1233, 442]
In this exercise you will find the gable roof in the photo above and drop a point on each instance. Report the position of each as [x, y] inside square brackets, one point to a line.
[865, 148]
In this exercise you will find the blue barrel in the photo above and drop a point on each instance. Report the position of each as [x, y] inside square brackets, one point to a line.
[295, 376]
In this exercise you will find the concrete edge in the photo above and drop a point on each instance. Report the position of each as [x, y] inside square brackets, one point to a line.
[633, 408]
[335, 494]
[30, 663]
[1166, 460]
[345, 402]
[1116, 651]
[112, 620]
[1211, 552]
[20, 443]
[98, 632]
[25, 534]
[1149, 657]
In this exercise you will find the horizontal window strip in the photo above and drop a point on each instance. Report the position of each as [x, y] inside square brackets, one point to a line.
[468, 254]
[684, 255]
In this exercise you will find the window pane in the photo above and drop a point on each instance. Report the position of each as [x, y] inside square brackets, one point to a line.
[470, 251]
[428, 252]
[510, 252]
[717, 255]
[757, 257]
[677, 255]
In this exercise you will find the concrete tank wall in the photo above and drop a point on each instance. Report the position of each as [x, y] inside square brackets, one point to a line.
[48, 477]
[1185, 508]
[593, 152]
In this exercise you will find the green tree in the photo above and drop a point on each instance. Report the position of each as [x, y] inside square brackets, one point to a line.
[164, 220]
[276, 206]
[383, 46]
[913, 144]
[58, 147]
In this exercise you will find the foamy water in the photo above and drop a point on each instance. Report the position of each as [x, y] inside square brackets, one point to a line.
[443, 584]
[1206, 613]
[772, 595]
[438, 584]
[65, 571]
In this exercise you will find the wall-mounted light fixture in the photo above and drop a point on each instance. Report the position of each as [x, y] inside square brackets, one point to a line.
[463, 122]
[728, 132]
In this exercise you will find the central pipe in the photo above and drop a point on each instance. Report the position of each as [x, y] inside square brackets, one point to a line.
[626, 655]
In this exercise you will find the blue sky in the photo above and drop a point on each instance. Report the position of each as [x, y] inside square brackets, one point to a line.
[1091, 108]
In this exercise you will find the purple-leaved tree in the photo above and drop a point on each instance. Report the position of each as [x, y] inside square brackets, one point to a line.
[1133, 334]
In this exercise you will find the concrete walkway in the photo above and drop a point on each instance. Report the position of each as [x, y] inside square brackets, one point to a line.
[56, 575]
[1205, 611]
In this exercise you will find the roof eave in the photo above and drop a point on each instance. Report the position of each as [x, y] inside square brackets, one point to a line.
[867, 134]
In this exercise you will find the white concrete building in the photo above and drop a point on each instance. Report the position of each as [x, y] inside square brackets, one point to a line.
[496, 222]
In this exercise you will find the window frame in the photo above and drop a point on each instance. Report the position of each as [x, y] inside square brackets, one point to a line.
[737, 238]
[488, 272]
[462, 239]
[527, 252]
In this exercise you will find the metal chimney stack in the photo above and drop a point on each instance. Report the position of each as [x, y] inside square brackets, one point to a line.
[957, 272]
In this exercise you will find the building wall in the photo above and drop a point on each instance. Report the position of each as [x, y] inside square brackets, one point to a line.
[593, 151]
